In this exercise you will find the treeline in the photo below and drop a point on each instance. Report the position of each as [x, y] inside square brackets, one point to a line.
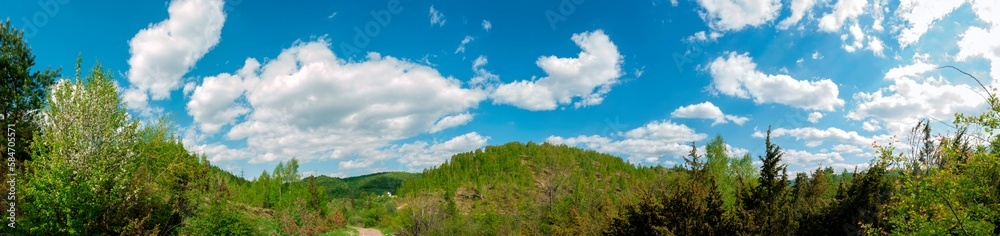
[949, 185]
[357, 186]
[515, 188]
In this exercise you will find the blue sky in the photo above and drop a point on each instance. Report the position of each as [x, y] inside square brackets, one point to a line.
[353, 87]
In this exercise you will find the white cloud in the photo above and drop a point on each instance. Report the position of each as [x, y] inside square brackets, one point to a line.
[919, 66]
[987, 10]
[815, 116]
[451, 121]
[597, 67]
[918, 15]
[818, 136]
[871, 125]
[875, 45]
[487, 25]
[162, 53]
[212, 103]
[699, 36]
[850, 167]
[707, 110]
[726, 15]
[420, 154]
[858, 43]
[702, 36]
[216, 152]
[483, 79]
[817, 56]
[644, 144]
[137, 100]
[309, 104]
[437, 18]
[674, 3]
[878, 10]
[857, 35]
[803, 158]
[979, 42]
[737, 75]
[799, 9]
[847, 149]
[843, 11]
[356, 163]
[189, 88]
[910, 98]
[461, 46]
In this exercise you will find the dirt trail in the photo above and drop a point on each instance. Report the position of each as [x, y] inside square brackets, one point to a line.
[368, 232]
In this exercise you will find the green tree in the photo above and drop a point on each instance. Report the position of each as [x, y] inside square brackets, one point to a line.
[22, 91]
[768, 201]
[81, 179]
[722, 168]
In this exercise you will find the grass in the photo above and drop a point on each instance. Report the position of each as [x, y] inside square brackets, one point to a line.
[385, 231]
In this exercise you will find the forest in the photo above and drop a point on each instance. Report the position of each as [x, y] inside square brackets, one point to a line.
[79, 164]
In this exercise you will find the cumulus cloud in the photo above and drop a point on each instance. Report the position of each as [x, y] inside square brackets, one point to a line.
[799, 9]
[736, 75]
[420, 154]
[734, 15]
[917, 17]
[846, 149]
[483, 79]
[588, 77]
[644, 144]
[213, 103]
[850, 167]
[451, 121]
[309, 104]
[843, 11]
[860, 41]
[818, 136]
[162, 53]
[871, 125]
[707, 110]
[815, 116]
[910, 98]
[804, 158]
[983, 43]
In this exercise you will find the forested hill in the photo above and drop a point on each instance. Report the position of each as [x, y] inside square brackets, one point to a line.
[519, 188]
[353, 187]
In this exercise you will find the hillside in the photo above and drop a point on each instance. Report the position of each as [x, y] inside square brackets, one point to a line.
[519, 188]
[353, 187]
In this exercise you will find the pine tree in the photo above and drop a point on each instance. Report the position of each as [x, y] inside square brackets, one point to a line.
[768, 201]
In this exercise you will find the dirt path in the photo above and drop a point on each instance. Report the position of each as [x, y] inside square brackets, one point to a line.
[368, 232]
